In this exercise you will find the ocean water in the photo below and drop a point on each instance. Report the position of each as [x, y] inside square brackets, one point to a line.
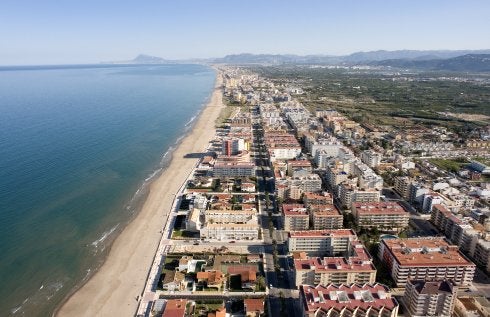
[77, 147]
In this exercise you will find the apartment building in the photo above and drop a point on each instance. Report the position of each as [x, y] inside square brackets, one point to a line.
[230, 216]
[229, 231]
[233, 169]
[402, 186]
[426, 259]
[353, 300]
[456, 229]
[317, 198]
[321, 242]
[296, 217]
[354, 267]
[325, 216]
[349, 194]
[390, 216]
[430, 298]
[371, 158]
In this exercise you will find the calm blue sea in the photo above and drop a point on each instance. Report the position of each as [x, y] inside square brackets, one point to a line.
[77, 146]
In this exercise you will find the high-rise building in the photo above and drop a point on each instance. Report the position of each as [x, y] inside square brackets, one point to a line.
[430, 298]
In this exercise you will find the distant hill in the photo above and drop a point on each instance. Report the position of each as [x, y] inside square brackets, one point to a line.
[462, 60]
[465, 63]
[408, 54]
[145, 59]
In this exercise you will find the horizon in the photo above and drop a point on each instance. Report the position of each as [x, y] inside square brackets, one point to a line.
[53, 33]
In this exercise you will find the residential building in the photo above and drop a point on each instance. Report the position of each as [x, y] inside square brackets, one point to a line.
[219, 231]
[430, 298]
[175, 308]
[430, 200]
[254, 307]
[402, 186]
[325, 216]
[317, 198]
[456, 229]
[295, 165]
[295, 217]
[233, 169]
[482, 254]
[371, 158]
[390, 216]
[427, 259]
[321, 242]
[355, 266]
[349, 194]
[241, 216]
[353, 300]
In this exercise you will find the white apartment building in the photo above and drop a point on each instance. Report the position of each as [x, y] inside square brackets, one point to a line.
[371, 158]
[217, 231]
[321, 242]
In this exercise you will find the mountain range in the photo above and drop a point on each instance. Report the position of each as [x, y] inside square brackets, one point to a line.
[458, 60]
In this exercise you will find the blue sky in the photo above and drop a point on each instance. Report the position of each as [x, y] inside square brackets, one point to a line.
[85, 31]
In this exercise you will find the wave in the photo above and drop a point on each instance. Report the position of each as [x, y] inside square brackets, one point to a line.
[45, 292]
[104, 236]
[191, 120]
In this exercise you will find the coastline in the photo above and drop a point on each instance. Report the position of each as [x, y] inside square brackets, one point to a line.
[122, 276]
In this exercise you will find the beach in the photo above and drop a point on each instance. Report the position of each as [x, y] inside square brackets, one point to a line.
[114, 287]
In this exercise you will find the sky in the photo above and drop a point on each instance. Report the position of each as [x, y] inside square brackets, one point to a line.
[92, 31]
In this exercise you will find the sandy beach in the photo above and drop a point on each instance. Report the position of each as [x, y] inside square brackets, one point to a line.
[113, 289]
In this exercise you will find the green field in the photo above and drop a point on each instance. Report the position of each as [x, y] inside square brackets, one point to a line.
[451, 165]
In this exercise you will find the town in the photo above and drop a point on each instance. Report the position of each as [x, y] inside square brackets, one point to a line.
[294, 210]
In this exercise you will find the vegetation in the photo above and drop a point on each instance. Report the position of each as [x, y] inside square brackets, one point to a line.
[451, 165]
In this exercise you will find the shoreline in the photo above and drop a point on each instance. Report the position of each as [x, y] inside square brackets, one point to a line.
[122, 276]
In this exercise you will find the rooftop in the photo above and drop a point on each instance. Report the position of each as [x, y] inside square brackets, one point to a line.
[351, 297]
[376, 208]
[323, 233]
[425, 252]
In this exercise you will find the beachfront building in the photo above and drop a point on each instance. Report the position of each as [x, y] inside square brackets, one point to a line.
[230, 216]
[295, 217]
[430, 298]
[389, 216]
[353, 300]
[224, 168]
[218, 231]
[321, 242]
[425, 259]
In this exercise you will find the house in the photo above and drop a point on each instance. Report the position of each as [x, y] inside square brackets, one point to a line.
[254, 307]
[175, 308]
[174, 280]
[253, 258]
[248, 274]
[212, 279]
[221, 312]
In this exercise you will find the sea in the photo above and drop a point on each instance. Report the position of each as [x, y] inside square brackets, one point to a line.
[78, 147]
